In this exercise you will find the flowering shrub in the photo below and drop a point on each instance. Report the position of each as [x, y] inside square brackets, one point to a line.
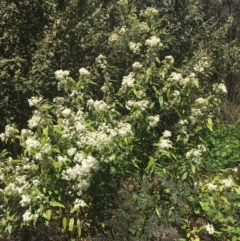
[151, 122]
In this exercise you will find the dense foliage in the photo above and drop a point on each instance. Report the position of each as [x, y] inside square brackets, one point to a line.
[125, 141]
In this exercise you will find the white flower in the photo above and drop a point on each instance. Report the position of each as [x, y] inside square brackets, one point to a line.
[32, 143]
[201, 148]
[80, 127]
[25, 133]
[210, 228]
[101, 61]
[79, 203]
[201, 102]
[90, 102]
[167, 134]
[136, 66]
[149, 12]
[34, 101]
[183, 122]
[169, 59]
[211, 187]
[10, 131]
[36, 182]
[122, 2]
[27, 216]
[38, 156]
[60, 74]
[220, 88]
[84, 72]
[114, 37]
[176, 77]
[153, 42]
[143, 26]
[195, 154]
[124, 129]
[59, 100]
[235, 169]
[25, 200]
[176, 93]
[198, 68]
[66, 112]
[100, 105]
[123, 29]
[165, 144]
[78, 157]
[227, 183]
[128, 80]
[61, 159]
[35, 120]
[153, 120]
[71, 151]
[134, 47]
[3, 137]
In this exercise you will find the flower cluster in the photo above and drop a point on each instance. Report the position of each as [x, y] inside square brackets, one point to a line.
[134, 47]
[182, 127]
[122, 2]
[37, 119]
[83, 72]
[143, 27]
[220, 88]
[62, 77]
[136, 66]
[10, 132]
[167, 134]
[101, 61]
[60, 74]
[198, 110]
[25, 200]
[141, 104]
[210, 228]
[113, 38]
[128, 81]
[27, 216]
[169, 59]
[153, 42]
[201, 65]
[165, 145]
[153, 120]
[149, 12]
[195, 155]
[34, 101]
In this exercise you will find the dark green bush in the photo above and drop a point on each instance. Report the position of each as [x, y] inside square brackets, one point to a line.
[223, 148]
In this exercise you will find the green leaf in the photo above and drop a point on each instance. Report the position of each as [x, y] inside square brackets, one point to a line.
[150, 163]
[160, 99]
[148, 73]
[45, 132]
[234, 238]
[210, 124]
[193, 168]
[184, 176]
[64, 223]
[163, 73]
[47, 214]
[71, 223]
[157, 211]
[56, 204]
[135, 164]
[79, 228]
[9, 228]
[195, 81]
